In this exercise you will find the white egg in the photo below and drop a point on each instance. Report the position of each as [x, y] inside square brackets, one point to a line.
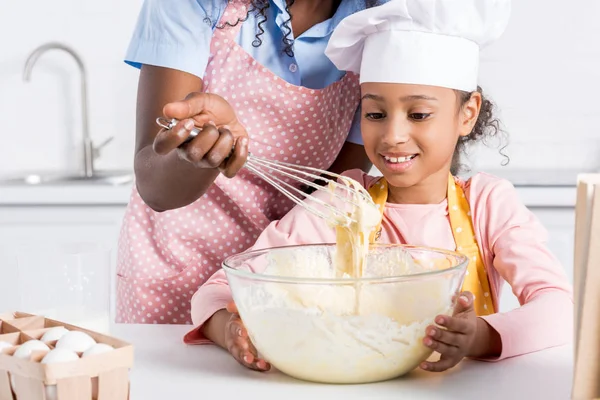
[53, 357]
[98, 348]
[59, 355]
[76, 341]
[25, 350]
[4, 345]
[54, 334]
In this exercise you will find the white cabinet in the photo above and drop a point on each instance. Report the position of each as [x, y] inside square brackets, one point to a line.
[36, 224]
[33, 226]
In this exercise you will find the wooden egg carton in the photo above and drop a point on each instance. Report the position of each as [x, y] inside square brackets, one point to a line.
[98, 377]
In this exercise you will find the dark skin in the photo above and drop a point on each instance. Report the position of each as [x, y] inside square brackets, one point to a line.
[170, 176]
[459, 336]
[399, 120]
[226, 329]
[426, 122]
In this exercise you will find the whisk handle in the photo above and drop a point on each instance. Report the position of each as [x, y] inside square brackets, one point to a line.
[169, 124]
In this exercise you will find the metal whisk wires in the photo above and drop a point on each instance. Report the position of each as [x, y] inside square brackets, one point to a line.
[281, 175]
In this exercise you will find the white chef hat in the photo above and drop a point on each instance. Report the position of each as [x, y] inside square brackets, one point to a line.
[427, 42]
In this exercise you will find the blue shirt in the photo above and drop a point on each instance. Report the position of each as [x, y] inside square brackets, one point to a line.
[177, 35]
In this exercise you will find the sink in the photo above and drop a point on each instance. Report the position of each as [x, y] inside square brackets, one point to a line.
[110, 178]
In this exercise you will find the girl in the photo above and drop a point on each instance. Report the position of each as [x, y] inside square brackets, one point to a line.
[419, 108]
[255, 70]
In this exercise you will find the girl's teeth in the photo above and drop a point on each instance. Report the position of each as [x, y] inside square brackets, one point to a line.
[399, 159]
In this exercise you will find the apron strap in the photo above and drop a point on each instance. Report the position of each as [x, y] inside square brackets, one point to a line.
[476, 281]
[379, 193]
[459, 212]
[234, 15]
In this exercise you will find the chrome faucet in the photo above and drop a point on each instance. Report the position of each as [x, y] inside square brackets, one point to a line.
[90, 153]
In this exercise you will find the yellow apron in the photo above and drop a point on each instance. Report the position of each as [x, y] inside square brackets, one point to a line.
[476, 279]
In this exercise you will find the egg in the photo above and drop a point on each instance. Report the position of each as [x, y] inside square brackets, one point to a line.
[98, 348]
[4, 345]
[59, 355]
[75, 341]
[25, 350]
[54, 334]
[53, 357]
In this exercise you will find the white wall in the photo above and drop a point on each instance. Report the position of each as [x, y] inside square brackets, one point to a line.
[544, 74]
[45, 113]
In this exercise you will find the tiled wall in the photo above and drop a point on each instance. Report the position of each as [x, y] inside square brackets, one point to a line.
[544, 75]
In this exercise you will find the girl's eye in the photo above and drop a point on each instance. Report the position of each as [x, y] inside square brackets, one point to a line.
[374, 116]
[419, 116]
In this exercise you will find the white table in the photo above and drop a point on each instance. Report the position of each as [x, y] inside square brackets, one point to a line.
[166, 369]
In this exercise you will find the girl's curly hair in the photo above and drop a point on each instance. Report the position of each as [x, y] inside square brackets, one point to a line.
[259, 9]
[486, 128]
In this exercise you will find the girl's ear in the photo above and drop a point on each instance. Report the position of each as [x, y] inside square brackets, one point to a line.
[469, 113]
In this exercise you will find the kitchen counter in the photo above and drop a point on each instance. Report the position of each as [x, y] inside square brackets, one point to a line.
[65, 195]
[538, 177]
[536, 189]
[165, 368]
[543, 188]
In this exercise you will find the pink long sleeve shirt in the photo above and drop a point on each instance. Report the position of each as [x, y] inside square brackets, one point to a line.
[512, 242]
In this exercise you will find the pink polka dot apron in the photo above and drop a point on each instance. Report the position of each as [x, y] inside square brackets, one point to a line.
[164, 257]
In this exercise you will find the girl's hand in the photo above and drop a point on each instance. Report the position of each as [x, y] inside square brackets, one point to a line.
[458, 339]
[239, 344]
[212, 148]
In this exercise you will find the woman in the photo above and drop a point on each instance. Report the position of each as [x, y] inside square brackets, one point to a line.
[208, 63]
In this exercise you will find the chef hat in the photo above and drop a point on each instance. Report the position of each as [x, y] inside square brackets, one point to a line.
[427, 42]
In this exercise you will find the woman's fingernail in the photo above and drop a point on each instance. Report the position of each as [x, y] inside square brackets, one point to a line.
[424, 366]
[189, 124]
[182, 133]
[212, 123]
[428, 342]
[464, 299]
[440, 320]
[432, 332]
[247, 359]
[239, 332]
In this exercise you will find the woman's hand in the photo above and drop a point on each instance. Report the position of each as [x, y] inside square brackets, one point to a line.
[462, 335]
[222, 142]
[238, 343]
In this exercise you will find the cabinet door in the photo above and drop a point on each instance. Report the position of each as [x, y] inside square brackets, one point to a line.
[560, 223]
[31, 227]
[28, 226]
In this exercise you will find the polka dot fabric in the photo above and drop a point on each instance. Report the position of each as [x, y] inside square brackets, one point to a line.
[164, 257]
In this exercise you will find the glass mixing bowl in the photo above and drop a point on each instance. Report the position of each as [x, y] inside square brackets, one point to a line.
[314, 325]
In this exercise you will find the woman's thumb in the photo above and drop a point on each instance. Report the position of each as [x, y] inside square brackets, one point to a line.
[192, 105]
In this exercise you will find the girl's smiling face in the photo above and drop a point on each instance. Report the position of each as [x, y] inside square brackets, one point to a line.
[410, 131]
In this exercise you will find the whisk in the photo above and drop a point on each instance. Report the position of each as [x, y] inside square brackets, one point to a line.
[279, 174]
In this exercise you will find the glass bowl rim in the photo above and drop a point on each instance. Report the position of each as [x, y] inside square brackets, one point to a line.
[461, 264]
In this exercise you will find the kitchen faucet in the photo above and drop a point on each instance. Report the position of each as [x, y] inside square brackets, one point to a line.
[89, 151]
